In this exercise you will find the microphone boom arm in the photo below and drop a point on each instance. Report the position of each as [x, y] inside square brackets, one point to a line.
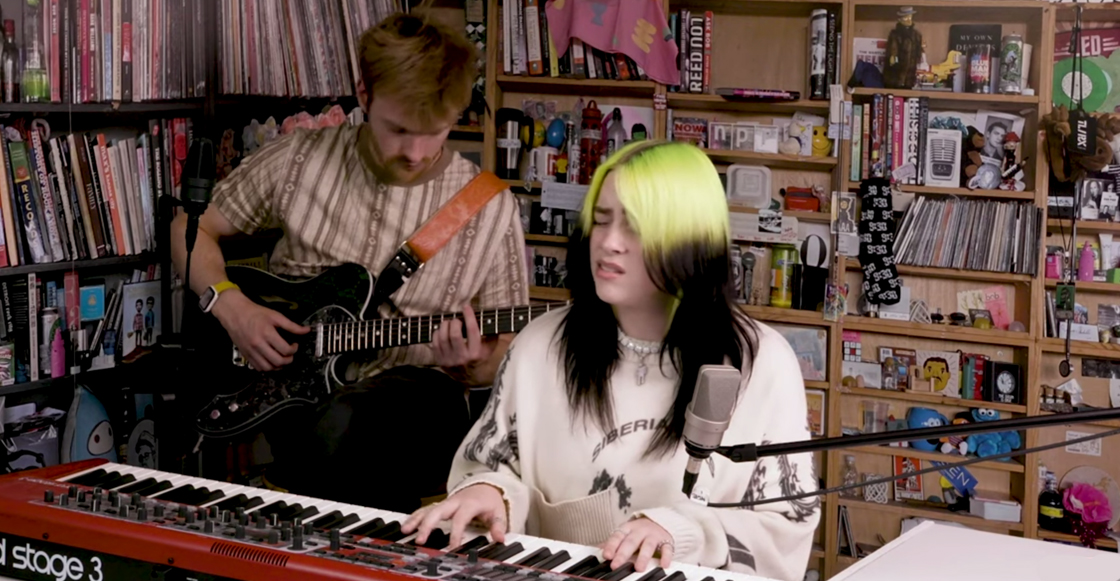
[752, 452]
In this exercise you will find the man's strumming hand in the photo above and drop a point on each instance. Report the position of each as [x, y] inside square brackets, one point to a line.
[253, 329]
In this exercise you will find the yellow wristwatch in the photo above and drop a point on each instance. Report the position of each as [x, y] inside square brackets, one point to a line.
[210, 297]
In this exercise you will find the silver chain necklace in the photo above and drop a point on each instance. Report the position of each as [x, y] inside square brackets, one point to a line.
[642, 348]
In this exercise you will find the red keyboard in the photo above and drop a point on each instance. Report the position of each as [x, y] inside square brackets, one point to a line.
[99, 521]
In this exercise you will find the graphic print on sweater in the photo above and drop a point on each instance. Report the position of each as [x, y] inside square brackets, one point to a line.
[799, 510]
[488, 447]
[603, 480]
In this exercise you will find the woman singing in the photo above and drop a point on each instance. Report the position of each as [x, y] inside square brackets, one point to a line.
[581, 438]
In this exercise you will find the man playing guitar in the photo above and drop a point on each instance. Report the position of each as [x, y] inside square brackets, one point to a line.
[353, 194]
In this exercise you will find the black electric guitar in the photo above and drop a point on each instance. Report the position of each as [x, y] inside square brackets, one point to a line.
[336, 306]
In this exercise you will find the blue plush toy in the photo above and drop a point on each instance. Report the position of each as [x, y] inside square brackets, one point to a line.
[919, 417]
[88, 433]
[992, 443]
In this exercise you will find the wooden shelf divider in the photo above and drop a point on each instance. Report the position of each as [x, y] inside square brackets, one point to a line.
[943, 332]
[932, 398]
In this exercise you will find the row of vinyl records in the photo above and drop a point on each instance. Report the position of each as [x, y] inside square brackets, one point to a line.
[124, 50]
[92, 314]
[527, 48]
[294, 49]
[970, 234]
[82, 196]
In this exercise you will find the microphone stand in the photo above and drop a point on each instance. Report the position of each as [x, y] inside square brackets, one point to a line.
[752, 452]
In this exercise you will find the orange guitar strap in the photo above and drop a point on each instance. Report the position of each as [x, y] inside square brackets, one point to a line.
[436, 232]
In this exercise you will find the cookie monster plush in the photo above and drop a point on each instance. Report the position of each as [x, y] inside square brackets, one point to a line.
[992, 443]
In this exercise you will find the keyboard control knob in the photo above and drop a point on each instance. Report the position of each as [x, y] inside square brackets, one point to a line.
[72, 492]
[308, 529]
[190, 517]
[214, 512]
[285, 534]
[336, 539]
[297, 540]
[137, 500]
[81, 496]
[142, 513]
[48, 496]
[95, 506]
[159, 510]
[208, 527]
[64, 500]
[125, 511]
[433, 569]
[239, 532]
[243, 519]
[273, 537]
[97, 491]
[472, 556]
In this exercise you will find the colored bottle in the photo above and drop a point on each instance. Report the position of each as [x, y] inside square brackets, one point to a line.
[851, 476]
[58, 355]
[1051, 511]
[35, 86]
[616, 133]
[1085, 264]
[10, 69]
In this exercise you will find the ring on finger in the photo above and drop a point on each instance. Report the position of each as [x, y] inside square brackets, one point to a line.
[664, 543]
[620, 530]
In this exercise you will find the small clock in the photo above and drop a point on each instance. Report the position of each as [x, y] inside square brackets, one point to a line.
[1002, 382]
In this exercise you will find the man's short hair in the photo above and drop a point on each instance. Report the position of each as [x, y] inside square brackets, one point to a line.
[1002, 125]
[419, 61]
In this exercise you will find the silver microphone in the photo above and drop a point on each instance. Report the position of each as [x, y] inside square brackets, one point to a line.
[707, 416]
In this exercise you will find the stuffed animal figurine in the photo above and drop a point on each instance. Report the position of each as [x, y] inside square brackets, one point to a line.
[991, 444]
[88, 433]
[919, 417]
[956, 444]
[1069, 166]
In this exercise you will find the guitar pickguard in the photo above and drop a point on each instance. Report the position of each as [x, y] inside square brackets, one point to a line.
[306, 381]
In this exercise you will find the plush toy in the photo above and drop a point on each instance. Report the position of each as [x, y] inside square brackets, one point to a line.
[1068, 166]
[88, 433]
[919, 417]
[992, 443]
[956, 444]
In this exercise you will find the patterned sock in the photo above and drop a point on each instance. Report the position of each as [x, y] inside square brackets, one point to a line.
[881, 284]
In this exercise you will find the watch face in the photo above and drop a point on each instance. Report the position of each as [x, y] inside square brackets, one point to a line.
[206, 298]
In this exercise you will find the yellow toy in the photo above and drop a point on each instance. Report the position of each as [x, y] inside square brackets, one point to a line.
[822, 145]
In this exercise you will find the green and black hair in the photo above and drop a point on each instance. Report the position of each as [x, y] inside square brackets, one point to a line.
[675, 202]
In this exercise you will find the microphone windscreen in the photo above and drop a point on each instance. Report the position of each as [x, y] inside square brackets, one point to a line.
[717, 387]
[199, 172]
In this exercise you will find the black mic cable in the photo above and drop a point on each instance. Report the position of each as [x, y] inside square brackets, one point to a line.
[907, 474]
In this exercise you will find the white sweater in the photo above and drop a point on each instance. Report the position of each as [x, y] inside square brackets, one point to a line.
[564, 479]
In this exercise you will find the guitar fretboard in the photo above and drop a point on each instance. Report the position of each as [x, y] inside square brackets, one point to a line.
[350, 336]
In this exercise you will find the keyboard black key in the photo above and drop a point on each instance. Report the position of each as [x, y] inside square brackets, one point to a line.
[347, 521]
[148, 490]
[89, 478]
[708, 578]
[490, 550]
[554, 561]
[327, 520]
[535, 557]
[586, 564]
[175, 494]
[120, 480]
[655, 574]
[508, 552]
[620, 573]
[437, 539]
[475, 543]
[365, 528]
[390, 532]
[676, 576]
[274, 508]
[597, 571]
[138, 485]
[233, 502]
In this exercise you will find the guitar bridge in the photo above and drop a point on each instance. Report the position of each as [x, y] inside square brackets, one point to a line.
[319, 340]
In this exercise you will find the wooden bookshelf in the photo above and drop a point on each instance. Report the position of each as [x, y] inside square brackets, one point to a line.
[773, 160]
[921, 397]
[1088, 286]
[545, 293]
[801, 215]
[565, 86]
[946, 99]
[113, 262]
[143, 107]
[780, 315]
[952, 273]
[546, 239]
[1083, 227]
[705, 102]
[960, 192]
[999, 465]
[1082, 348]
[913, 510]
[943, 332]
